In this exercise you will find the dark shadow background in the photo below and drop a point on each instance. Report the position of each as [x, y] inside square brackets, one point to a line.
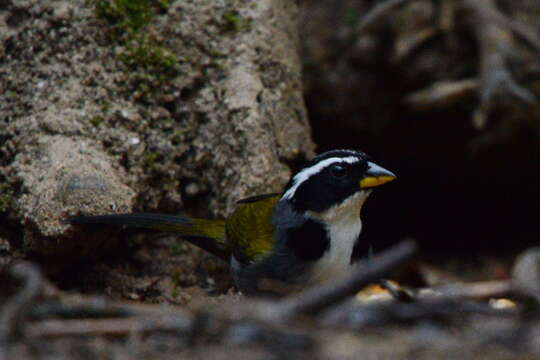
[460, 189]
[447, 196]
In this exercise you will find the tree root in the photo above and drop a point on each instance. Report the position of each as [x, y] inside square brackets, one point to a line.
[495, 77]
[492, 30]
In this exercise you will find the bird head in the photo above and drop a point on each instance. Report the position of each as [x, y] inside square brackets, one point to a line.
[336, 179]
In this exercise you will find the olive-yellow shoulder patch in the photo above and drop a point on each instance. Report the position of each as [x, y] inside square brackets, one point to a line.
[249, 228]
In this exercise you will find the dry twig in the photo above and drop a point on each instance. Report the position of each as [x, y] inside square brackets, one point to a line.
[476, 291]
[322, 297]
[16, 307]
[173, 323]
[87, 310]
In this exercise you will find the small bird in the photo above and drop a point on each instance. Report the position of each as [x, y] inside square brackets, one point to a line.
[299, 238]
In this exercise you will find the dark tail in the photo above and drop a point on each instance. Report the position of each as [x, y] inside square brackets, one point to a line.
[209, 235]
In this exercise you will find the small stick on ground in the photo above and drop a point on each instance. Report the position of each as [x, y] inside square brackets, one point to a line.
[473, 291]
[180, 325]
[79, 311]
[16, 307]
[397, 293]
[322, 297]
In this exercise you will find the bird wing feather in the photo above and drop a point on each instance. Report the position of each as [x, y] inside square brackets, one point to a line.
[249, 228]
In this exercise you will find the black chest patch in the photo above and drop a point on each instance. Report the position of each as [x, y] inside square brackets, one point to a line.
[308, 241]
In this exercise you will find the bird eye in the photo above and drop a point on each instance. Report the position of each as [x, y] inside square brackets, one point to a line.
[338, 171]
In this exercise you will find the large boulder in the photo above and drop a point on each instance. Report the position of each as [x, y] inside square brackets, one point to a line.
[110, 106]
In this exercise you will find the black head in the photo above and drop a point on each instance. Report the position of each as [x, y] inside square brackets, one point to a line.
[331, 178]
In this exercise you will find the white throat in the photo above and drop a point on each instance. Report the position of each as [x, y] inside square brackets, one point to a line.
[343, 226]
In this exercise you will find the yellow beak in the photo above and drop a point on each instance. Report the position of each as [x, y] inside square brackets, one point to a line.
[376, 176]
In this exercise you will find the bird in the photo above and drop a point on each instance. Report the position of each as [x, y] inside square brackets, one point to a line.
[301, 237]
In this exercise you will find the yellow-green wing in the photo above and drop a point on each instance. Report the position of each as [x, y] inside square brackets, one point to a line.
[249, 228]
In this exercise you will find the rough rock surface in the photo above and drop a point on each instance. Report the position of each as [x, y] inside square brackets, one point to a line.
[60, 176]
[202, 109]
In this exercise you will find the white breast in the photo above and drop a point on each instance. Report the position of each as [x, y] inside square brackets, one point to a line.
[343, 225]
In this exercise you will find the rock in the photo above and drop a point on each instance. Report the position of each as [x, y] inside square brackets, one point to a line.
[61, 177]
[97, 116]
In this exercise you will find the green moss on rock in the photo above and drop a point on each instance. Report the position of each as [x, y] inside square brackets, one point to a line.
[130, 20]
[234, 22]
[5, 197]
[129, 15]
[96, 120]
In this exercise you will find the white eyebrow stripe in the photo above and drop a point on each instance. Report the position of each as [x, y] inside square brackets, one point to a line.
[306, 173]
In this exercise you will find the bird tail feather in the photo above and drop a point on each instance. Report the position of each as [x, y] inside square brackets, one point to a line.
[206, 234]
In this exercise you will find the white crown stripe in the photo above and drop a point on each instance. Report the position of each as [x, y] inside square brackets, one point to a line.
[308, 172]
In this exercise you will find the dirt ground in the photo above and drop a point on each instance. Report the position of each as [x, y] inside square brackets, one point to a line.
[188, 106]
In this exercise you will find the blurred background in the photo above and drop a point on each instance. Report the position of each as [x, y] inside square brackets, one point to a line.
[190, 105]
[442, 93]
[170, 106]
